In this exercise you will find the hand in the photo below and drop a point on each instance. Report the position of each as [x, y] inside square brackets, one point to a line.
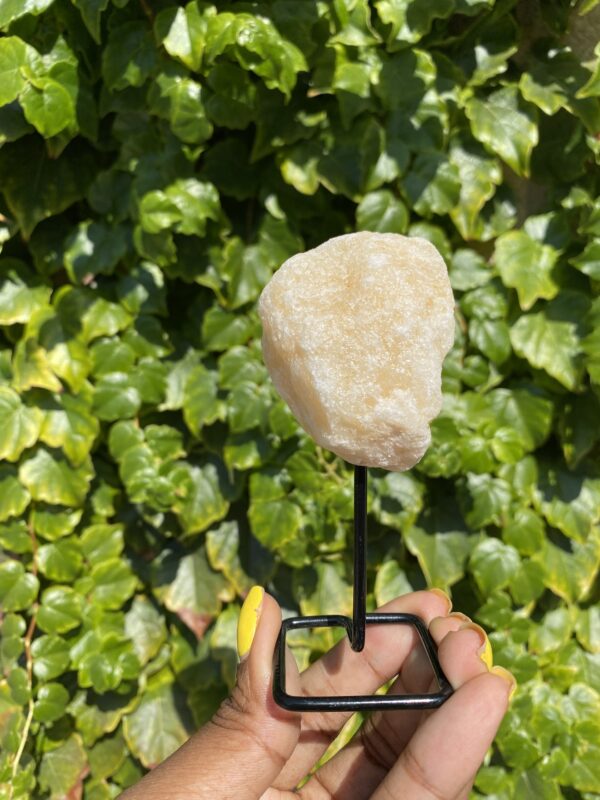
[254, 749]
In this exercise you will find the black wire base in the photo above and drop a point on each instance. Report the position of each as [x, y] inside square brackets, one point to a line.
[355, 628]
[358, 702]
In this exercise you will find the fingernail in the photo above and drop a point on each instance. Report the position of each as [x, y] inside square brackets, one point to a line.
[248, 620]
[441, 593]
[485, 651]
[459, 615]
[508, 677]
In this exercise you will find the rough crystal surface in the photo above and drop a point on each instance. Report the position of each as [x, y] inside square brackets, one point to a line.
[354, 335]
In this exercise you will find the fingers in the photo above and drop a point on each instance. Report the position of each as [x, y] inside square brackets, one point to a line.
[241, 750]
[365, 762]
[448, 748]
[345, 672]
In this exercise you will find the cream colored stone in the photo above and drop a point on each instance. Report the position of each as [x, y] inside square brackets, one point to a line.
[354, 335]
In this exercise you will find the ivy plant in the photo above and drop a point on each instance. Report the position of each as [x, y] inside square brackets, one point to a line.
[158, 161]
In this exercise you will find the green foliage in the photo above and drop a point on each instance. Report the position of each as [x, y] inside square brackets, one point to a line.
[158, 161]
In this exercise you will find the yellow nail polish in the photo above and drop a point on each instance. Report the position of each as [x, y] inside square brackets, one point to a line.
[442, 593]
[248, 620]
[508, 677]
[485, 651]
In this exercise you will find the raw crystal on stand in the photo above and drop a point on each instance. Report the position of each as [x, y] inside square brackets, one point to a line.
[354, 335]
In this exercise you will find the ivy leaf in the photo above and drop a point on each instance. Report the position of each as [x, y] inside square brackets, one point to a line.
[69, 424]
[182, 32]
[101, 542]
[527, 266]
[60, 610]
[382, 212]
[410, 20]
[142, 290]
[52, 479]
[492, 338]
[587, 627]
[18, 589]
[222, 546]
[146, 629]
[182, 102]
[201, 405]
[589, 260]
[528, 414]
[55, 185]
[494, 564]
[233, 103]
[11, 10]
[570, 575]
[115, 397]
[155, 729]
[274, 522]
[51, 702]
[194, 594]
[550, 339]
[129, 56]
[201, 501]
[63, 769]
[504, 127]
[224, 329]
[61, 561]
[13, 56]
[432, 185]
[113, 583]
[441, 556]
[14, 499]
[48, 106]
[19, 425]
[91, 13]
[184, 207]
[21, 294]
[489, 500]
[50, 657]
[94, 248]
[391, 582]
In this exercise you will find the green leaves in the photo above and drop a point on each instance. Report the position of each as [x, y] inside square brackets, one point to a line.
[154, 730]
[52, 479]
[527, 266]
[18, 589]
[55, 185]
[129, 56]
[184, 206]
[158, 163]
[12, 58]
[19, 426]
[505, 127]
[550, 339]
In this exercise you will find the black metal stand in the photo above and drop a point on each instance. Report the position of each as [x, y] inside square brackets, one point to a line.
[355, 628]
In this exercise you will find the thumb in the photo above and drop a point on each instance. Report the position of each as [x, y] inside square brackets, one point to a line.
[241, 750]
[255, 736]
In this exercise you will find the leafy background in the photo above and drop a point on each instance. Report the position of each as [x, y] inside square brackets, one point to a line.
[157, 163]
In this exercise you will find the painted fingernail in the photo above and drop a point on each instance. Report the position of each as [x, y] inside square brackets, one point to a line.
[248, 620]
[508, 677]
[442, 594]
[485, 651]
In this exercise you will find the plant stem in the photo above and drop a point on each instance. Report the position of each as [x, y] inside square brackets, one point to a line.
[29, 669]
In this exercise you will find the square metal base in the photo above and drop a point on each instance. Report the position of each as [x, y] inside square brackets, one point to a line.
[358, 702]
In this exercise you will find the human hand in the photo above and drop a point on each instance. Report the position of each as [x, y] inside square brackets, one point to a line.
[254, 749]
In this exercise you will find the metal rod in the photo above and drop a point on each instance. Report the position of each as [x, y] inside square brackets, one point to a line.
[357, 640]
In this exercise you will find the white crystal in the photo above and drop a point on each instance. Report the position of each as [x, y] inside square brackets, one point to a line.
[354, 335]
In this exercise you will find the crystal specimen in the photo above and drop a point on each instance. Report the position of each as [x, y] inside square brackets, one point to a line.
[354, 335]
